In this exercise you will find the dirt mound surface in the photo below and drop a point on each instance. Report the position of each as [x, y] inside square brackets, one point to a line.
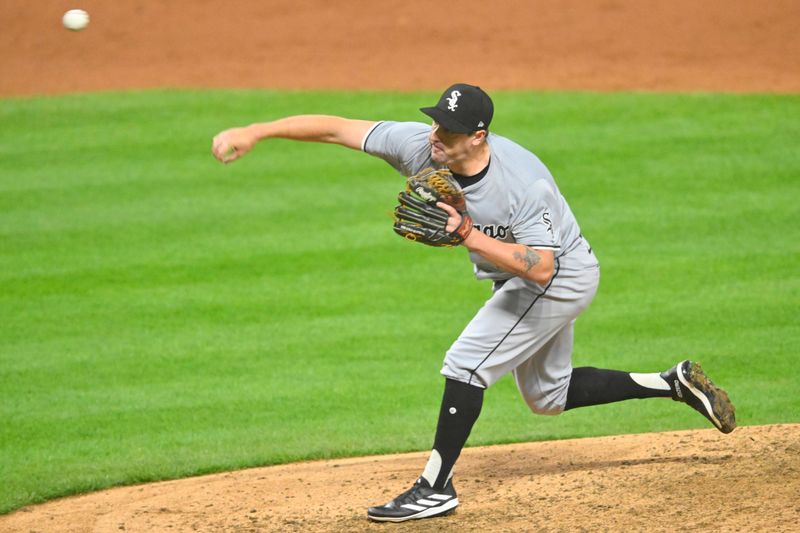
[732, 45]
[678, 481]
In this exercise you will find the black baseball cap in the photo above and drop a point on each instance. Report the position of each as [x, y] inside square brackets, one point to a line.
[462, 108]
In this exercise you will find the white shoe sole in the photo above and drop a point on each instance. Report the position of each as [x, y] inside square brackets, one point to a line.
[721, 399]
[427, 513]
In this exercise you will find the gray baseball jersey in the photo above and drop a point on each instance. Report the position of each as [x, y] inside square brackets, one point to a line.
[524, 328]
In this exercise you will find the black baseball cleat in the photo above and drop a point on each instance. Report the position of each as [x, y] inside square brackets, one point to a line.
[420, 501]
[690, 385]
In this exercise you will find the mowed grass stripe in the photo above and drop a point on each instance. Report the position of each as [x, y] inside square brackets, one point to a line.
[162, 315]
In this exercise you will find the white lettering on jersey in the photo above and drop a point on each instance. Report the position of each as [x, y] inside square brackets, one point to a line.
[452, 101]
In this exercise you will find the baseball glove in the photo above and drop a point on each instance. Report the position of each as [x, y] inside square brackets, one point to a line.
[417, 217]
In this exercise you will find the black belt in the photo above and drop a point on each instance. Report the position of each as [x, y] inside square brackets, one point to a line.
[498, 284]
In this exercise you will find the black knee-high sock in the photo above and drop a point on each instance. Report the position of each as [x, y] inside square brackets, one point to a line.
[595, 386]
[461, 406]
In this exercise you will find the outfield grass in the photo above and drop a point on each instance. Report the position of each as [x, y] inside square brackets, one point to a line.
[162, 315]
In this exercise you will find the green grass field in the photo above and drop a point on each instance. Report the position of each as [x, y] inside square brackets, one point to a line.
[162, 315]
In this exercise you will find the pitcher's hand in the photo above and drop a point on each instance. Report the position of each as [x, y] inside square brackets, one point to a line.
[230, 145]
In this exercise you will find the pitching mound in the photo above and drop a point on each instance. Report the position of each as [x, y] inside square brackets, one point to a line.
[687, 480]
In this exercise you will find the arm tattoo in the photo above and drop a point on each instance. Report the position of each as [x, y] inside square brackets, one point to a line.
[529, 258]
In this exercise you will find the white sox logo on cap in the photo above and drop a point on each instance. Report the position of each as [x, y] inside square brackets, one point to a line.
[462, 108]
[452, 101]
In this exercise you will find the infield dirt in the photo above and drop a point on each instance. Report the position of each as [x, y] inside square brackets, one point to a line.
[692, 480]
[713, 45]
[679, 481]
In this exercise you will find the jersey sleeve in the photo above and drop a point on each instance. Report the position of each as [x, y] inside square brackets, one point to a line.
[537, 222]
[404, 145]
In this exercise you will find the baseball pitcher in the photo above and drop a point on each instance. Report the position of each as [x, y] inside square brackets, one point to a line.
[472, 188]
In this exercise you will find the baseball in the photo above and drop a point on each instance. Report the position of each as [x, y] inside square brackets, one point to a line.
[75, 19]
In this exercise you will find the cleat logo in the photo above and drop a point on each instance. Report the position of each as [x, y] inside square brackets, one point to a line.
[678, 389]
